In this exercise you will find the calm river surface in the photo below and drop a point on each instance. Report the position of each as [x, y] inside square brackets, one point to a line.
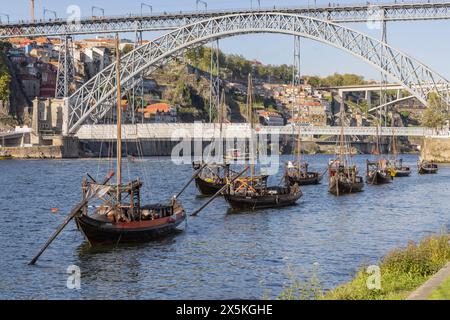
[219, 255]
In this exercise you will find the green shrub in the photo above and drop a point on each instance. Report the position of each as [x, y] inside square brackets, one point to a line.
[402, 271]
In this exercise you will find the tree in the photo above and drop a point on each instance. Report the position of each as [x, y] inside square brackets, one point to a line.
[127, 48]
[314, 81]
[436, 115]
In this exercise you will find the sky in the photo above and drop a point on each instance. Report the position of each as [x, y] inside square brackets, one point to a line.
[426, 41]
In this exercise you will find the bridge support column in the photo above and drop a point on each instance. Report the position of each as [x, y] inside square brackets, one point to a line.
[65, 68]
[369, 99]
[65, 117]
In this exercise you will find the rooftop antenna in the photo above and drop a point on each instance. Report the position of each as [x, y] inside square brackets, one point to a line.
[146, 5]
[202, 2]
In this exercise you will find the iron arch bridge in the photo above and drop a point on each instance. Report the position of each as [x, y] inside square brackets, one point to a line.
[91, 102]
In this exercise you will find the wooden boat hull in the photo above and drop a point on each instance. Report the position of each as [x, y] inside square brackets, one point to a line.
[378, 178]
[102, 232]
[313, 178]
[339, 187]
[423, 170]
[403, 172]
[207, 188]
[243, 202]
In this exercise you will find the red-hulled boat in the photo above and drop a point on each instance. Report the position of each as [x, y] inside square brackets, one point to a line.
[112, 212]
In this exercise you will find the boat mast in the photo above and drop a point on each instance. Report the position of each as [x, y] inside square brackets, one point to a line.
[221, 116]
[119, 121]
[299, 147]
[341, 138]
[378, 145]
[250, 119]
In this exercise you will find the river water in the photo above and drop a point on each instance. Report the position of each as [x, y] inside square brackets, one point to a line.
[218, 255]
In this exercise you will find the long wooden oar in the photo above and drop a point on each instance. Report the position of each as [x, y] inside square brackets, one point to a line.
[196, 212]
[196, 173]
[72, 214]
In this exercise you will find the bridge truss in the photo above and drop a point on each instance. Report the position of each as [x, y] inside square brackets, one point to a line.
[365, 13]
[96, 97]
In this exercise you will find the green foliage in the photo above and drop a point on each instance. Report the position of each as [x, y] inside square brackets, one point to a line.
[436, 114]
[336, 80]
[127, 48]
[5, 77]
[308, 287]
[442, 292]
[402, 271]
[236, 67]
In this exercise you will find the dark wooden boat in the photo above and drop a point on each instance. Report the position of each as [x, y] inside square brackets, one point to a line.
[117, 214]
[426, 167]
[129, 222]
[378, 173]
[112, 212]
[399, 170]
[396, 164]
[402, 172]
[252, 193]
[343, 176]
[299, 174]
[243, 196]
[211, 178]
[343, 179]
[208, 187]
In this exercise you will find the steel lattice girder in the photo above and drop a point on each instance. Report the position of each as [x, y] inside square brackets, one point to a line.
[346, 13]
[96, 97]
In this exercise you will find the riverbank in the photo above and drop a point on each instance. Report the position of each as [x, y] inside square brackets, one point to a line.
[416, 272]
[436, 149]
[402, 271]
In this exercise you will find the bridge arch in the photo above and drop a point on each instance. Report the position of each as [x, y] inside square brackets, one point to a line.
[96, 97]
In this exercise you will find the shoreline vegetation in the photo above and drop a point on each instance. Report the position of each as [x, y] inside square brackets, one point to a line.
[402, 271]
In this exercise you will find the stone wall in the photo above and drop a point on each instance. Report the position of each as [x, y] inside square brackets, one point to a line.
[36, 152]
[435, 149]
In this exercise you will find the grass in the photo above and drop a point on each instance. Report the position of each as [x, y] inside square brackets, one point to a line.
[442, 292]
[401, 270]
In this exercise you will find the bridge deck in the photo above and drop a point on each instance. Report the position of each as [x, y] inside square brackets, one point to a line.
[211, 131]
[170, 20]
